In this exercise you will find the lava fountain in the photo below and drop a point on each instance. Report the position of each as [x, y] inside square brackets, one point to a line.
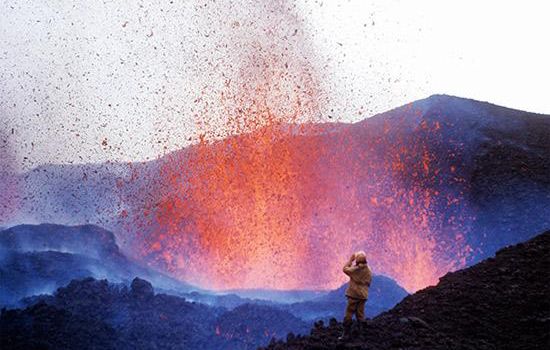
[270, 197]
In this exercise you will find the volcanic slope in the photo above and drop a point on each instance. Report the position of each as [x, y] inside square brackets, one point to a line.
[500, 303]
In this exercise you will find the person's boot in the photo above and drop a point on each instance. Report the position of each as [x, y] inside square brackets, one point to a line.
[346, 332]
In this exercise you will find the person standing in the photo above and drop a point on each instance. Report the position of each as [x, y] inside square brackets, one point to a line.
[357, 293]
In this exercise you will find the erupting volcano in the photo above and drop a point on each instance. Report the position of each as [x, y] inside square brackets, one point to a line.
[281, 206]
[274, 193]
[207, 175]
[272, 196]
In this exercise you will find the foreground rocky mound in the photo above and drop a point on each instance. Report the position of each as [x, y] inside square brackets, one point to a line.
[96, 314]
[249, 325]
[92, 314]
[500, 303]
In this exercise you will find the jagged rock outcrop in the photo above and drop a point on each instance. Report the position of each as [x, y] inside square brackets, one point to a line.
[141, 289]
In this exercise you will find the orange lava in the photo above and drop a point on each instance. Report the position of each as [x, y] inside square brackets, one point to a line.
[268, 199]
[282, 207]
[241, 204]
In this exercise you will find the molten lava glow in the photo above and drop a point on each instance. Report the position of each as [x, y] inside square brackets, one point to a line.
[262, 202]
[232, 206]
[283, 207]
[243, 206]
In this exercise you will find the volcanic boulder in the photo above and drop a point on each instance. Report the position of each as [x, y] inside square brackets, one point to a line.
[141, 289]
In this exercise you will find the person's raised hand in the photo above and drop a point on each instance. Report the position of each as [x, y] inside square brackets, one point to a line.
[352, 257]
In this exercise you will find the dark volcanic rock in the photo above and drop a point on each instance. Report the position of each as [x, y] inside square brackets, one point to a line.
[92, 314]
[141, 289]
[500, 303]
[249, 325]
[96, 314]
[44, 326]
